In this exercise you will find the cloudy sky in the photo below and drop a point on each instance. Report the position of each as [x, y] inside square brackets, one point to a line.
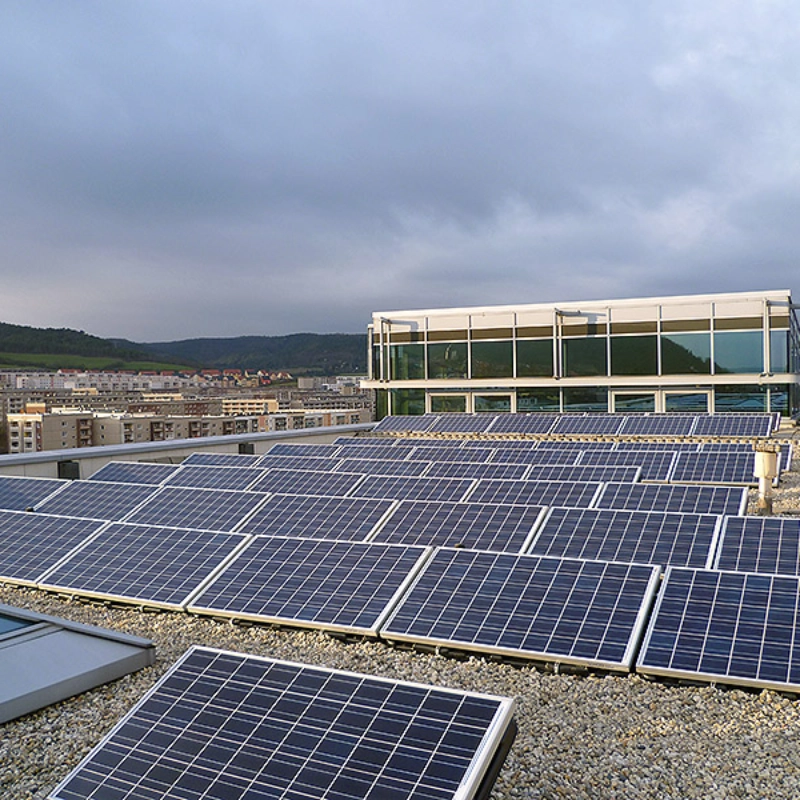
[180, 168]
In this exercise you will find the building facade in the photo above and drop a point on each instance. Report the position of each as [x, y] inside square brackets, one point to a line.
[717, 353]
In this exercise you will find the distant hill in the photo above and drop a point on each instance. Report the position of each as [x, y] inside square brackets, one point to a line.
[298, 353]
[24, 339]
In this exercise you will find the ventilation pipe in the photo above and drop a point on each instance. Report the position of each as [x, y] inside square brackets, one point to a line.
[766, 470]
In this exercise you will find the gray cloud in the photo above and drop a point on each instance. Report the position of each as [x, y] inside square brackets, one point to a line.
[184, 169]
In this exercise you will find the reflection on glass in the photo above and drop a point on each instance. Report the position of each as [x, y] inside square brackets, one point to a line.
[407, 361]
[8, 624]
[585, 399]
[738, 351]
[381, 404]
[585, 357]
[534, 358]
[634, 402]
[686, 354]
[492, 402]
[443, 403]
[779, 399]
[492, 360]
[740, 398]
[408, 401]
[538, 400]
[634, 355]
[779, 351]
[692, 402]
[447, 360]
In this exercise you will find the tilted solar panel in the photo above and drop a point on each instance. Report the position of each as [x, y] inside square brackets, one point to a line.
[433, 453]
[523, 423]
[222, 459]
[399, 488]
[656, 466]
[462, 423]
[204, 509]
[455, 469]
[143, 564]
[733, 424]
[422, 423]
[397, 453]
[692, 499]
[228, 725]
[644, 537]
[725, 627]
[19, 494]
[760, 544]
[292, 481]
[589, 613]
[588, 424]
[379, 466]
[657, 425]
[30, 544]
[539, 456]
[719, 468]
[476, 526]
[316, 517]
[318, 450]
[209, 477]
[97, 500]
[545, 493]
[576, 444]
[372, 441]
[311, 463]
[134, 472]
[579, 473]
[342, 586]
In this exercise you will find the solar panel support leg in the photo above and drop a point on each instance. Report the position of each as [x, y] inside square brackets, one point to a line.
[765, 496]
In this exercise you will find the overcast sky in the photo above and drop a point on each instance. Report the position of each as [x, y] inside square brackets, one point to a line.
[172, 169]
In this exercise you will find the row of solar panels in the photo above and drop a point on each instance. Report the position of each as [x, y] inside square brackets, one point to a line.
[587, 424]
[585, 612]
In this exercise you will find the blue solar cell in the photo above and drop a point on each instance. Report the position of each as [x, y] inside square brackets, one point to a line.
[546, 493]
[316, 517]
[445, 453]
[405, 423]
[644, 537]
[97, 500]
[399, 488]
[310, 463]
[538, 456]
[462, 423]
[30, 544]
[690, 499]
[477, 526]
[540, 423]
[398, 453]
[726, 627]
[733, 424]
[210, 477]
[760, 544]
[142, 564]
[314, 450]
[455, 469]
[342, 586]
[378, 466]
[372, 441]
[133, 472]
[290, 481]
[227, 725]
[566, 611]
[20, 494]
[222, 459]
[589, 424]
[657, 425]
[576, 444]
[580, 473]
[719, 468]
[656, 466]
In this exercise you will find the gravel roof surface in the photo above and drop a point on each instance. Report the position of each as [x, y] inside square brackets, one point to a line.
[580, 736]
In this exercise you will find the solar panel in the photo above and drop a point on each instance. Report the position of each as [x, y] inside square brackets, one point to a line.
[462, 423]
[726, 627]
[134, 472]
[511, 456]
[504, 444]
[19, 494]
[657, 425]
[657, 447]
[445, 453]
[476, 526]
[372, 441]
[96, 499]
[589, 424]
[204, 509]
[316, 517]
[290, 481]
[760, 544]
[719, 468]
[524, 423]
[576, 495]
[577, 444]
[733, 424]
[455, 469]
[656, 466]
[397, 453]
[399, 488]
[378, 466]
[228, 725]
[318, 450]
[208, 477]
[785, 457]
[556, 472]
[222, 459]
[347, 587]
[313, 463]
[673, 497]
[644, 537]
[450, 444]
[589, 613]
[405, 423]
[32, 543]
[143, 564]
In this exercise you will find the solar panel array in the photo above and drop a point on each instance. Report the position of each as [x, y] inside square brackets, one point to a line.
[227, 725]
[19, 494]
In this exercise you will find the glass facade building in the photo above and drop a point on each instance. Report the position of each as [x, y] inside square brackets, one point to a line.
[728, 352]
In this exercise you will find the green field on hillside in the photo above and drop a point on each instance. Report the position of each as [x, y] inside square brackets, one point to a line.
[54, 361]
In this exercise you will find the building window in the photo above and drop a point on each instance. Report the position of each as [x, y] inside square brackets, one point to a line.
[447, 360]
[492, 359]
[779, 351]
[751, 398]
[738, 351]
[491, 402]
[448, 403]
[585, 357]
[585, 399]
[634, 355]
[407, 362]
[382, 404]
[686, 354]
[408, 402]
[534, 358]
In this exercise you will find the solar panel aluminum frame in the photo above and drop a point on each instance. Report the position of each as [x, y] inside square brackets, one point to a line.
[193, 607]
[130, 599]
[478, 778]
[625, 665]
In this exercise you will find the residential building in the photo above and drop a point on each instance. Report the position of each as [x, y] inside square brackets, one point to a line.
[716, 353]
